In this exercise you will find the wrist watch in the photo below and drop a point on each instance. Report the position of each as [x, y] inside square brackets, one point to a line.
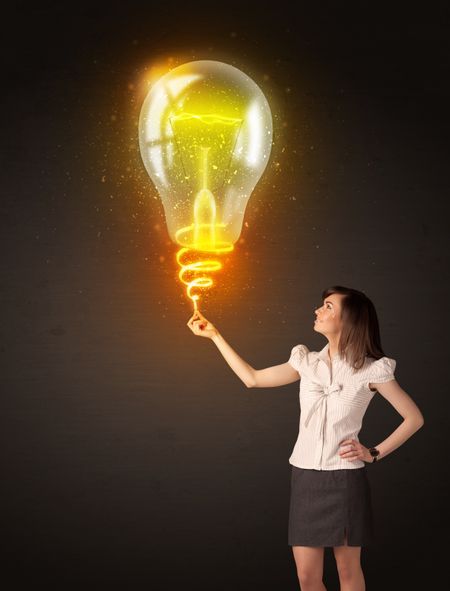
[374, 452]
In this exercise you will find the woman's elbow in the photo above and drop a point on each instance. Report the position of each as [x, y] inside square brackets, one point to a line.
[251, 380]
[418, 420]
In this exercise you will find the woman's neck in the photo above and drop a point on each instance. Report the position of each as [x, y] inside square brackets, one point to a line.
[333, 346]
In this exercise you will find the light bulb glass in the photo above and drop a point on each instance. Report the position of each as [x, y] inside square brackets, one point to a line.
[205, 135]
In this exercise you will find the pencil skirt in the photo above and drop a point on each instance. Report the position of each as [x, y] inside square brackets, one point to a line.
[326, 505]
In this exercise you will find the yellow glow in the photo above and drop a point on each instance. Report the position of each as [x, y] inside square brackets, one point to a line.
[208, 118]
[205, 135]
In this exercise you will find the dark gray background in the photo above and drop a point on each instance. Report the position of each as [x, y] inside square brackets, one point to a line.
[134, 456]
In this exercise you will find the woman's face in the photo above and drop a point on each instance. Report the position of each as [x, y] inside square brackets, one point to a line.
[328, 316]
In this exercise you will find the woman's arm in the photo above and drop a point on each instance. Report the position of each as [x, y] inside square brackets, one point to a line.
[270, 377]
[407, 408]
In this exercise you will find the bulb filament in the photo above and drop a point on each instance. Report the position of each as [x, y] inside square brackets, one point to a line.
[201, 267]
[203, 236]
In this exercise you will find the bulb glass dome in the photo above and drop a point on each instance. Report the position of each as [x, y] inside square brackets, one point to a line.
[205, 135]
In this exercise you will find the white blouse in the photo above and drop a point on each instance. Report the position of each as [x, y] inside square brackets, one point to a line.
[333, 400]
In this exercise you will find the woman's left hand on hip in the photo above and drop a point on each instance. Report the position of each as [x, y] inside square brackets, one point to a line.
[352, 450]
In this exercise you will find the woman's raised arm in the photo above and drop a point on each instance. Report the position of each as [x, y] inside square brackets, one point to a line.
[269, 377]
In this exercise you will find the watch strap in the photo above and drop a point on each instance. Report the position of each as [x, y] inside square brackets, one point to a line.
[374, 452]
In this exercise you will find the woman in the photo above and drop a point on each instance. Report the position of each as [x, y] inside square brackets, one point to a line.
[330, 501]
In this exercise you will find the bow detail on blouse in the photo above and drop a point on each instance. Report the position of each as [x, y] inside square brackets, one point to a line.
[323, 391]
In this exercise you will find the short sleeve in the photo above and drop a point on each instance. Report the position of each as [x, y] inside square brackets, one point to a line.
[382, 370]
[297, 354]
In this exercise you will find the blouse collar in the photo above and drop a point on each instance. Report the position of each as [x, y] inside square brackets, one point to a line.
[323, 354]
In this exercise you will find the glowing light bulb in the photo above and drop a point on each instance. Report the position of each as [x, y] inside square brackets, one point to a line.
[205, 136]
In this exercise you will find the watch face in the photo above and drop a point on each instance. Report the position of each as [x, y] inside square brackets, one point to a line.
[374, 452]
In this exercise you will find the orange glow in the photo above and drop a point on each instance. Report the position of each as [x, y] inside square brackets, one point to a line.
[203, 266]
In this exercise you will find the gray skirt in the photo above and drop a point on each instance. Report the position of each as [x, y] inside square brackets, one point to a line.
[326, 505]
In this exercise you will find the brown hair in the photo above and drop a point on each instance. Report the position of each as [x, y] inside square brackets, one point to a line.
[360, 336]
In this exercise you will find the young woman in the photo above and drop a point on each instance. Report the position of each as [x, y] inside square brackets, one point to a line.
[330, 501]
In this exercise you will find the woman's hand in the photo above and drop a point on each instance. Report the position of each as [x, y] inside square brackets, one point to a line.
[200, 326]
[354, 450]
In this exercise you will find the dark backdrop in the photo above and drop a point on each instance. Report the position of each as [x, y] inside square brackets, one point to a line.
[134, 456]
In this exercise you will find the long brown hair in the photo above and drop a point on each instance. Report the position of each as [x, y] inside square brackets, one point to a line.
[360, 336]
